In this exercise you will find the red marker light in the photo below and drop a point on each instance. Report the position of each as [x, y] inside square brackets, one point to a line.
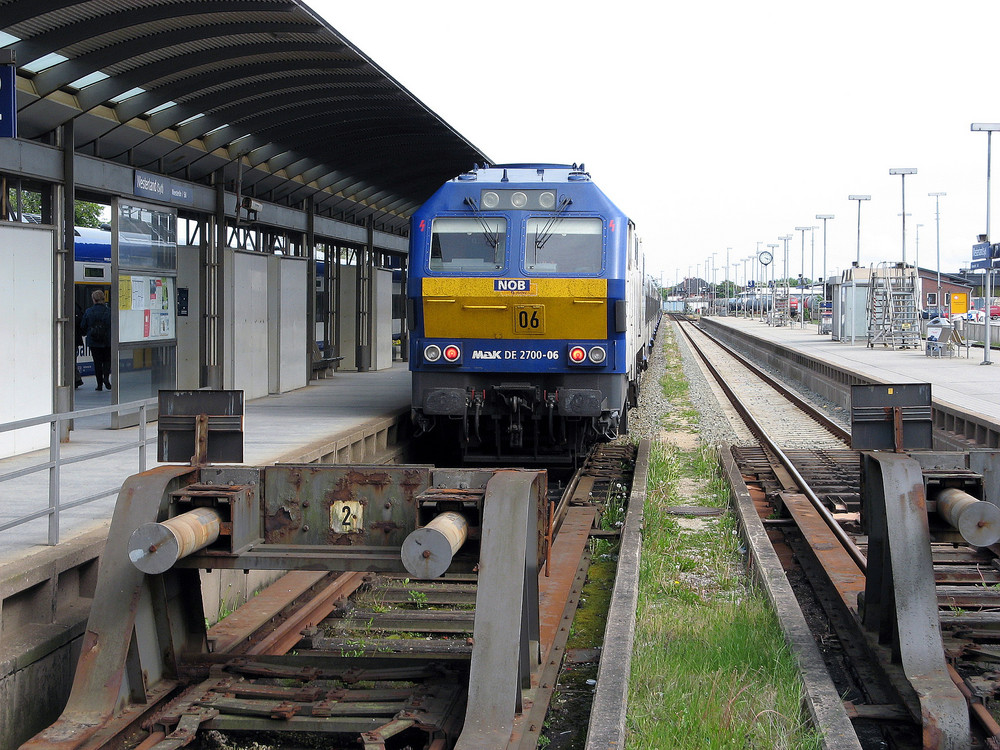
[451, 353]
[577, 354]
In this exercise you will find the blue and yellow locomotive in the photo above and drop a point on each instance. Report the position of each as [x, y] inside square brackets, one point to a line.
[530, 315]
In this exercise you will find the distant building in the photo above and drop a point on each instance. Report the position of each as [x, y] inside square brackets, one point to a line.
[950, 284]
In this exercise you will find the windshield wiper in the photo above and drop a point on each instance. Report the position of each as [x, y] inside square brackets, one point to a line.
[549, 228]
[492, 237]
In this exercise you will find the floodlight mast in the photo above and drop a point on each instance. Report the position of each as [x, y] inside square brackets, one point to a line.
[937, 219]
[988, 128]
[824, 217]
[902, 172]
[859, 198]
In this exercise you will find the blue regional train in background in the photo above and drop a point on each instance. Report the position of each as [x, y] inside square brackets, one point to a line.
[91, 270]
[531, 317]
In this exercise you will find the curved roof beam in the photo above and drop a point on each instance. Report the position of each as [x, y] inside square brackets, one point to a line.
[266, 104]
[61, 74]
[260, 57]
[207, 86]
[286, 127]
[69, 34]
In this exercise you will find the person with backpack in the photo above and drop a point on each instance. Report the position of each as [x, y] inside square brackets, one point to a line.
[97, 325]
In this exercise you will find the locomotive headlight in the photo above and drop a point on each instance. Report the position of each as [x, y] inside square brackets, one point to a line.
[577, 354]
[432, 352]
[547, 200]
[519, 200]
[490, 199]
[452, 353]
[597, 354]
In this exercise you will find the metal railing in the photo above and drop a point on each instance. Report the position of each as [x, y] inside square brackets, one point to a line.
[56, 461]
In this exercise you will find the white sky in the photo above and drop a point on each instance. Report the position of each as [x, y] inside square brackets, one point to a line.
[721, 124]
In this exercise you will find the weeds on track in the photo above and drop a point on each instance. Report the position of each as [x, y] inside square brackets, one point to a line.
[710, 668]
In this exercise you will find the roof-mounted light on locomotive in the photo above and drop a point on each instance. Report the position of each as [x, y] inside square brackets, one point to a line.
[542, 200]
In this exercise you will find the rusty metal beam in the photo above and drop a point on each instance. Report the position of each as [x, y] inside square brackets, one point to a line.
[901, 603]
[507, 585]
[101, 685]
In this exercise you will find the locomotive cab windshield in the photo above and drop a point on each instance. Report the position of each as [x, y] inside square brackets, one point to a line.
[564, 245]
[468, 244]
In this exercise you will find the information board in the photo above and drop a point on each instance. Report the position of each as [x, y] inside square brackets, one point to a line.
[145, 308]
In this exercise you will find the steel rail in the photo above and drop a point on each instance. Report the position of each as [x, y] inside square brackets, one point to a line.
[770, 445]
[815, 414]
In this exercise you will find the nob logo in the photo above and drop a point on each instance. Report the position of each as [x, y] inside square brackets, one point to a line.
[511, 285]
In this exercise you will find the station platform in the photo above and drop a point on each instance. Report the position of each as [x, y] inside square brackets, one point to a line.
[299, 426]
[960, 381]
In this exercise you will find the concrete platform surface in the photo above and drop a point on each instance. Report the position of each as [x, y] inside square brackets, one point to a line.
[960, 381]
[276, 428]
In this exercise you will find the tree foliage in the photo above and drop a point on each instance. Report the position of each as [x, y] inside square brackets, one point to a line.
[86, 214]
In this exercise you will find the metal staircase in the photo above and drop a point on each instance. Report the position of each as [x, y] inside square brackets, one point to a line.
[780, 309]
[892, 307]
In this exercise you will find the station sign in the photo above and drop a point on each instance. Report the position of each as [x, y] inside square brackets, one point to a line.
[981, 255]
[160, 188]
[8, 102]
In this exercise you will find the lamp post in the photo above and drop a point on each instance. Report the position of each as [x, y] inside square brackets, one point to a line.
[902, 172]
[714, 291]
[989, 127]
[916, 252]
[859, 198]
[773, 248]
[746, 287]
[824, 217]
[740, 289]
[758, 272]
[785, 238]
[728, 286]
[802, 278]
[937, 221]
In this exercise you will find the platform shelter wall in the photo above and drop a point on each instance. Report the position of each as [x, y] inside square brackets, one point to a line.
[288, 289]
[26, 311]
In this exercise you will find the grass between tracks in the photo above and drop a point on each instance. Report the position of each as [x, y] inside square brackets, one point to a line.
[710, 667]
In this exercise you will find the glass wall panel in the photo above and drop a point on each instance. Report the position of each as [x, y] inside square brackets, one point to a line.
[145, 370]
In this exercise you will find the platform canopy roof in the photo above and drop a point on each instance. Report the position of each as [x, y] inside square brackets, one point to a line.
[187, 87]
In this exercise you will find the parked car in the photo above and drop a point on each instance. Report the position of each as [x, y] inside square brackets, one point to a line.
[976, 316]
[933, 312]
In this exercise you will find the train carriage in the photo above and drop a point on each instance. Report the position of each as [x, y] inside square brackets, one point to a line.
[530, 314]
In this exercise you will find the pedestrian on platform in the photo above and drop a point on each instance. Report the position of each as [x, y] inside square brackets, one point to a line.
[97, 324]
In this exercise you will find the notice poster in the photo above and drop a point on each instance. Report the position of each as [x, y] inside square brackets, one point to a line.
[144, 308]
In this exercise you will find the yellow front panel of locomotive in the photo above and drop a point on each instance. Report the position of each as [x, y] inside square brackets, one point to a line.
[548, 309]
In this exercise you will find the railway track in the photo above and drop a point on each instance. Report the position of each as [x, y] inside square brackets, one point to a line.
[368, 656]
[905, 611]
